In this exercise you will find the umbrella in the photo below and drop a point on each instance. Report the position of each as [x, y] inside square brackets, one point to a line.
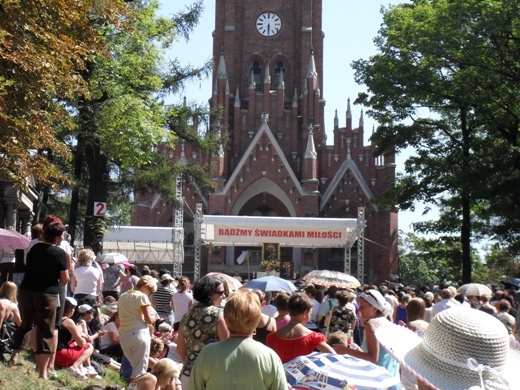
[13, 239]
[515, 282]
[328, 278]
[111, 258]
[271, 283]
[232, 283]
[474, 290]
[329, 371]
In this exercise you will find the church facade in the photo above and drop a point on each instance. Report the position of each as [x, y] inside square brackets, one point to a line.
[268, 83]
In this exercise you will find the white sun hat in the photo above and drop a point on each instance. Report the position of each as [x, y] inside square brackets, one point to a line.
[462, 349]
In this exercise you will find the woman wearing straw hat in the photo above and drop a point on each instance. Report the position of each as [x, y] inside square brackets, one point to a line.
[373, 309]
[463, 348]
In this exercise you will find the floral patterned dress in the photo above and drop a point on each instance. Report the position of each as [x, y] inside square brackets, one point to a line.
[199, 327]
[340, 319]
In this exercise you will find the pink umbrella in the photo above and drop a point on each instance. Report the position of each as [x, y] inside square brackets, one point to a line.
[13, 239]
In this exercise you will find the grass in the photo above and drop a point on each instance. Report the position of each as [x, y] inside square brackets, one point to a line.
[24, 376]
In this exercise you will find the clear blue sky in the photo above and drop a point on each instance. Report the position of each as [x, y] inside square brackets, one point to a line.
[349, 26]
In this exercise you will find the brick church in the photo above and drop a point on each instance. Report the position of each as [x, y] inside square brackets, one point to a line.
[268, 82]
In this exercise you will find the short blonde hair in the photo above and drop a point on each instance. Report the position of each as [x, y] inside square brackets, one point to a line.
[242, 312]
[166, 368]
[85, 258]
[147, 281]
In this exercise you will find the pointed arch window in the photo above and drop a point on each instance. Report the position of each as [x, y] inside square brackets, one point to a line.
[257, 75]
[279, 74]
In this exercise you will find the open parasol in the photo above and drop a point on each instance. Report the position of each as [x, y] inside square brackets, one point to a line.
[271, 283]
[13, 239]
[337, 372]
[111, 258]
[474, 290]
[232, 283]
[326, 278]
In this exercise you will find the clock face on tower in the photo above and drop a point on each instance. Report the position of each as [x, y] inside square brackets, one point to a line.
[268, 24]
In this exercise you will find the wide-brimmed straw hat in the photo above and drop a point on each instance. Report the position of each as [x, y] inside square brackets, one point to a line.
[462, 349]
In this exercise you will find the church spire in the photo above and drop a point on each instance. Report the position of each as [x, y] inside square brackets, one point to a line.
[361, 120]
[295, 97]
[310, 151]
[267, 78]
[311, 69]
[221, 70]
[281, 82]
[237, 98]
[349, 112]
[252, 82]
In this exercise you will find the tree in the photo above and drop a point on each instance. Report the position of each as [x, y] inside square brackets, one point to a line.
[43, 48]
[124, 120]
[445, 82]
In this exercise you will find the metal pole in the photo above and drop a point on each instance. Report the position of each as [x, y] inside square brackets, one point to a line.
[198, 240]
[361, 245]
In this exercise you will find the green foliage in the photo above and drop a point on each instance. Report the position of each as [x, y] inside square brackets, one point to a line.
[429, 261]
[445, 81]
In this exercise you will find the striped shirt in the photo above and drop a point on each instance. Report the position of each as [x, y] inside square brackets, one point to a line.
[163, 297]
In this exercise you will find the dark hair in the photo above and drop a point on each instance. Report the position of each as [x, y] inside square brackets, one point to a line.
[37, 231]
[205, 287]
[145, 271]
[415, 309]
[310, 289]
[52, 231]
[281, 301]
[184, 282]
[132, 270]
[331, 291]
[299, 303]
[68, 306]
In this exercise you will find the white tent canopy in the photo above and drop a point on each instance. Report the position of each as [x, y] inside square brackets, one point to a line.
[225, 230]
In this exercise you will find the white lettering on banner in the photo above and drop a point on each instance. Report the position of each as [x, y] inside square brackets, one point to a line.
[280, 235]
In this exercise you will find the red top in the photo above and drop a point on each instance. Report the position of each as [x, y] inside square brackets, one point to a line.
[288, 349]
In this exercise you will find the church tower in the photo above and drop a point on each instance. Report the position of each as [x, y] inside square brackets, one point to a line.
[268, 85]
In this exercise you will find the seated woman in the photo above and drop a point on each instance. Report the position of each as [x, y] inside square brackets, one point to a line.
[86, 316]
[239, 362]
[164, 376]
[109, 343]
[9, 304]
[73, 350]
[294, 339]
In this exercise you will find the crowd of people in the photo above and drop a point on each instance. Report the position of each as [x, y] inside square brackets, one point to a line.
[161, 332]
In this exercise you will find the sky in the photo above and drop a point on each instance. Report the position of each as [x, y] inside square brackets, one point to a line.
[349, 26]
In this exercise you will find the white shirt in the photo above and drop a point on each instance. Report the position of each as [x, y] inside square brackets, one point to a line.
[87, 280]
[315, 309]
[444, 304]
[105, 341]
[8, 255]
[181, 304]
